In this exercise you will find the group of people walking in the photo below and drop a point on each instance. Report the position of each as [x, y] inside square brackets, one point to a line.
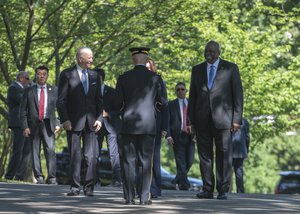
[134, 117]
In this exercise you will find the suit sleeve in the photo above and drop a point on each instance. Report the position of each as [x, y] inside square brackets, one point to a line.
[247, 134]
[23, 110]
[237, 91]
[62, 97]
[192, 99]
[164, 111]
[119, 96]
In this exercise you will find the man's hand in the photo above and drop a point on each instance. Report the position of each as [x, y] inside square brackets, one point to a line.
[170, 141]
[163, 133]
[26, 132]
[235, 127]
[57, 128]
[97, 125]
[67, 125]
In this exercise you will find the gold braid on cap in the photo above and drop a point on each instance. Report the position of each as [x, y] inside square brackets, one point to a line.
[138, 52]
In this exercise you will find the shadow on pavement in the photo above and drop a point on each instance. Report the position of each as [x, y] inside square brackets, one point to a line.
[32, 198]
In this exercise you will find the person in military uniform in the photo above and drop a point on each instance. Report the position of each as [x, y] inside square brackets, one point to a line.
[138, 93]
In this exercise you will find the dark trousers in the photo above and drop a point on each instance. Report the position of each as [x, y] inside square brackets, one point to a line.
[19, 151]
[43, 135]
[89, 158]
[137, 154]
[112, 144]
[155, 189]
[184, 152]
[206, 140]
[237, 164]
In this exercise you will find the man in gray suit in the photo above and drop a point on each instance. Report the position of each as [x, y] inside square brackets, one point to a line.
[240, 149]
[215, 111]
[21, 148]
[39, 124]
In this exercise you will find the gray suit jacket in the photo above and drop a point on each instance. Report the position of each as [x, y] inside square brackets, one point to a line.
[224, 100]
[30, 107]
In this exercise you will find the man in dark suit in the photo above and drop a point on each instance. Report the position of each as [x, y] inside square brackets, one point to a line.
[215, 111]
[179, 136]
[21, 148]
[138, 91]
[110, 129]
[79, 106]
[38, 123]
[240, 149]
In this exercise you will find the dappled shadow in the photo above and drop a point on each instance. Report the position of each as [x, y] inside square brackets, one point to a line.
[46, 198]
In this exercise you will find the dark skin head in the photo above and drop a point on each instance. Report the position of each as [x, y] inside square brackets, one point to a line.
[212, 52]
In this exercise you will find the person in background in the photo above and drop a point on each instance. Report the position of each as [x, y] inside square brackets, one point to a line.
[215, 111]
[21, 149]
[161, 131]
[137, 93]
[38, 121]
[240, 149]
[110, 129]
[179, 136]
[79, 107]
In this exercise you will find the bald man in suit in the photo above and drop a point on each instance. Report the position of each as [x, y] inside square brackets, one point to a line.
[215, 111]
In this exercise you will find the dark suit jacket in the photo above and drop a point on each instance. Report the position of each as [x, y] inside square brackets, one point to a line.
[114, 121]
[224, 101]
[241, 141]
[73, 104]
[14, 99]
[138, 91]
[30, 107]
[174, 119]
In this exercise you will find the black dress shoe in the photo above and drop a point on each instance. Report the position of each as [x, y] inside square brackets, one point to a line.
[73, 193]
[205, 195]
[222, 196]
[52, 182]
[154, 196]
[89, 193]
[149, 202]
[130, 202]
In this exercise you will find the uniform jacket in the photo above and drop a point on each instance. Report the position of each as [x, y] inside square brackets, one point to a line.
[138, 92]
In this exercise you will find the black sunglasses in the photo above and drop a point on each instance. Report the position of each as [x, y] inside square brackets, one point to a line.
[180, 89]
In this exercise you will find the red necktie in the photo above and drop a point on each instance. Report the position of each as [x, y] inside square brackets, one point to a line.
[184, 116]
[42, 104]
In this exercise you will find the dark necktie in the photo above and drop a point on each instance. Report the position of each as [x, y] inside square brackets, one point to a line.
[41, 104]
[184, 127]
[211, 76]
[84, 81]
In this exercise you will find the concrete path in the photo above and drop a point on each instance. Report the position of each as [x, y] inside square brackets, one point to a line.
[32, 198]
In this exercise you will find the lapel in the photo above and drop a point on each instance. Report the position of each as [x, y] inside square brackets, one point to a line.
[178, 109]
[218, 75]
[49, 94]
[77, 78]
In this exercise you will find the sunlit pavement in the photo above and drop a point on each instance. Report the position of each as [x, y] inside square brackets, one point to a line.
[32, 198]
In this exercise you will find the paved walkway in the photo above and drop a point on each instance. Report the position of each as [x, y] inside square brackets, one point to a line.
[31, 198]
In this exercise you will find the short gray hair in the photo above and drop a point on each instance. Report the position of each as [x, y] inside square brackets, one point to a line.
[78, 53]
